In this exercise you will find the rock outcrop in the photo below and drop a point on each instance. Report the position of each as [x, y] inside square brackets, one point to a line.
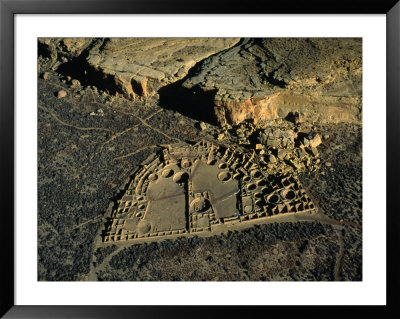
[265, 79]
[229, 79]
[142, 65]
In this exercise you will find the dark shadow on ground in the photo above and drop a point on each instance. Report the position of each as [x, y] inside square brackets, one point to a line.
[78, 68]
[194, 102]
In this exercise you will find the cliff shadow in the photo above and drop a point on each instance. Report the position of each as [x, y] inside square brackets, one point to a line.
[194, 102]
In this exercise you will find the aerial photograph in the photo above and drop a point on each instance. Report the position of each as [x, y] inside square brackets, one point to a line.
[199, 159]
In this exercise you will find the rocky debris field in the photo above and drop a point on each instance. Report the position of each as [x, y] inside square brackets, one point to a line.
[281, 146]
[105, 105]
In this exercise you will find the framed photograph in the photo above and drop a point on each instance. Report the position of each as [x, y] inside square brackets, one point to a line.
[163, 159]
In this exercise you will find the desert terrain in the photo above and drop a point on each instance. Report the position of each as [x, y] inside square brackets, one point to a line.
[291, 106]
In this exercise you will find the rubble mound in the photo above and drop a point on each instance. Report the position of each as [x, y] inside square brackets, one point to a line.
[202, 188]
[284, 146]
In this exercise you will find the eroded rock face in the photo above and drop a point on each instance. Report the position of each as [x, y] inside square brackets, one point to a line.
[136, 67]
[142, 65]
[265, 79]
[234, 80]
[65, 47]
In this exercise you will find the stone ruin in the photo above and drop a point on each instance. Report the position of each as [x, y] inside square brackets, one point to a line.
[201, 188]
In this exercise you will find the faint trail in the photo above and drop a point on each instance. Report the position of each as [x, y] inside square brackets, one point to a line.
[157, 130]
[71, 125]
[92, 276]
[320, 217]
[108, 258]
[116, 135]
[92, 220]
[339, 256]
[151, 115]
[135, 152]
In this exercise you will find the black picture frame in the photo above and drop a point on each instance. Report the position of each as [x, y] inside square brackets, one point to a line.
[8, 10]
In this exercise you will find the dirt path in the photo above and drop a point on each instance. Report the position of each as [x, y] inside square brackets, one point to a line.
[135, 152]
[157, 130]
[92, 276]
[57, 119]
[92, 220]
[118, 134]
[339, 257]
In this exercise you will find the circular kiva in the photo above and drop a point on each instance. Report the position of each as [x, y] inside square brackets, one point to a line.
[261, 182]
[139, 214]
[224, 176]
[236, 176]
[248, 209]
[180, 177]
[246, 178]
[142, 206]
[255, 174]
[222, 166]
[143, 227]
[153, 177]
[185, 163]
[200, 205]
[273, 198]
[288, 194]
[251, 187]
[167, 172]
